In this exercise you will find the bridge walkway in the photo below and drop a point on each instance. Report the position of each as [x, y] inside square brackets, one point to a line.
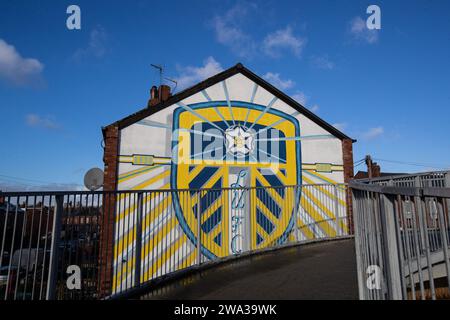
[324, 270]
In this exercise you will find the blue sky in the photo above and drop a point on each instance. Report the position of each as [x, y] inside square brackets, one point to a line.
[388, 88]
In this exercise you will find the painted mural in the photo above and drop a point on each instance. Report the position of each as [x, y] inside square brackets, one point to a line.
[231, 134]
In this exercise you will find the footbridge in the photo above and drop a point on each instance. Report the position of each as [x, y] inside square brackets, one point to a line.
[315, 270]
[371, 239]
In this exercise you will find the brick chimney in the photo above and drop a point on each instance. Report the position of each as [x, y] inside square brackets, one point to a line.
[158, 95]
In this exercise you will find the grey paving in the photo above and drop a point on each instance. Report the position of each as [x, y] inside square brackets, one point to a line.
[324, 270]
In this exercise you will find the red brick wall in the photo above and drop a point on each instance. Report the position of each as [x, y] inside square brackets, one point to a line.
[347, 152]
[110, 160]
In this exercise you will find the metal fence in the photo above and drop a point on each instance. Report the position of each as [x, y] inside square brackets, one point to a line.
[437, 179]
[89, 245]
[402, 237]
[42, 235]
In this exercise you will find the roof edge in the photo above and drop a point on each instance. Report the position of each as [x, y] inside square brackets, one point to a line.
[237, 68]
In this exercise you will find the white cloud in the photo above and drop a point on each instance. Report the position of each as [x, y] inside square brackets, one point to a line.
[360, 32]
[13, 185]
[274, 78]
[96, 47]
[322, 62]
[314, 108]
[284, 39]
[229, 29]
[373, 133]
[229, 32]
[300, 97]
[191, 75]
[340, 126]
[34, 120]
[15, 69]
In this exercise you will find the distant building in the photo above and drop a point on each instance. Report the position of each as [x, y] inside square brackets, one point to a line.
[365, 174]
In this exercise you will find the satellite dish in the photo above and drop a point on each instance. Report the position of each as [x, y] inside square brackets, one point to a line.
[93, 179]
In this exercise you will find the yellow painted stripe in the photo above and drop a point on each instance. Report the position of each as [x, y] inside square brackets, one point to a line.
[128, 237]
[313, 212]
[328, 212]
[261, 232]
[195, 172]
[304, 229]
[272, 191]
[148, 182]
[188, 261]
[326, 179]
[131, 175]
[207, 240]
[148, 198]
[147, 248]
[132, 172]
[325, 191]
[281, 177]
[165, 257]
[211, 209]
[213, 179]
[269, 215]
[319, 204]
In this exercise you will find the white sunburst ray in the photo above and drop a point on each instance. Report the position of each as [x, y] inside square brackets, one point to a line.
[272, 155]
[128, 209]
[163, 250]
[324, 216]
[201, 133]
[127, 273]
[227, 97]
[280, 121]
[127, 281]
[185, 251]
[309, 222]
[122, 232]
[331, 200]
[123, 226]
[207, 97]
[159, 251]
[190, 110]
[158, 224]
[252, 99]
[271, 103]
[176, 256]
[299, 138]
[154, 227]
[128, 251]
[153, 201]
[134, 182]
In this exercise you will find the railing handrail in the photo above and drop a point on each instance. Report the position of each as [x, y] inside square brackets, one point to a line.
[403, 176]
[406, 191]
[129, 229]
[102, 192]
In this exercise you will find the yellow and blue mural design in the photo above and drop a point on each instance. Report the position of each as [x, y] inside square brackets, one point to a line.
[221, 145]
[273, 160]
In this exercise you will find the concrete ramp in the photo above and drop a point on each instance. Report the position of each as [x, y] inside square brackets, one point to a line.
[325, 270]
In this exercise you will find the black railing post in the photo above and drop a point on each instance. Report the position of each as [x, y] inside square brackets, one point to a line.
[137, 272]
[199, 228]
[54, 249]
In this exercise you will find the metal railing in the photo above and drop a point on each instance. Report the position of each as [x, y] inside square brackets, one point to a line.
[402, 237]
[89, 245]
[437, 179]
[43, 234]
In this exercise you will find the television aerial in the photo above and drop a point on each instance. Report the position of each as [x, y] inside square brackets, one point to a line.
[160, 69]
